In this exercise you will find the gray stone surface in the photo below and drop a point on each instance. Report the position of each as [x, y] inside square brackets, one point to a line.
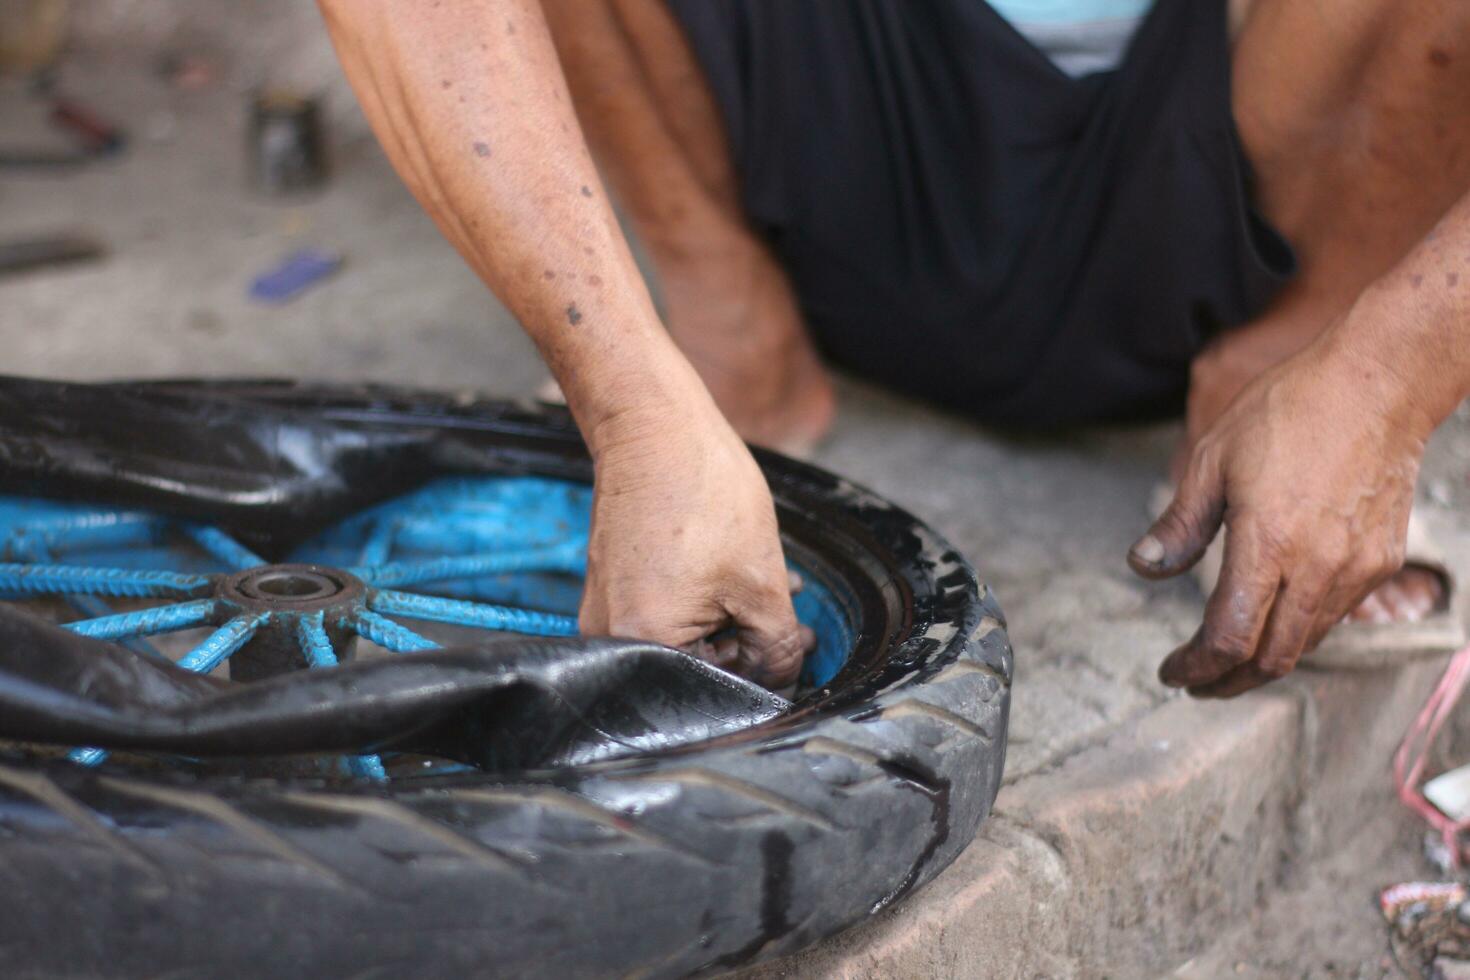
[1137, 830]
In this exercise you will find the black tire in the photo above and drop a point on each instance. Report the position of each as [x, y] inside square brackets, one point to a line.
[692, 861]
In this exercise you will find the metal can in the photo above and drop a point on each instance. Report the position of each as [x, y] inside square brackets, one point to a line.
[287, 144]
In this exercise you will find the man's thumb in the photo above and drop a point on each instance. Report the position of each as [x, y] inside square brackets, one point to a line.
[1184, 530]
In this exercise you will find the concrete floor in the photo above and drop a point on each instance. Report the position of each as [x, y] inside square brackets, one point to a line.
[1046, 522]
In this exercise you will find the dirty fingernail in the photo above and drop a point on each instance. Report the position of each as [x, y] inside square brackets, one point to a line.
[1149, 549]
[1176, 669]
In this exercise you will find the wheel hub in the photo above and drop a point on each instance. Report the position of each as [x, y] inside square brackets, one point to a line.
[289, 593]
[292, 589]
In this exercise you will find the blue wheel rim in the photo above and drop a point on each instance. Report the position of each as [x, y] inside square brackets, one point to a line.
[478, 554]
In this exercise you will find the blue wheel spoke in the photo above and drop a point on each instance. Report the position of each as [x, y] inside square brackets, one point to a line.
[475, 614]
[202, 659]
[222, 546]
[222, 642]
[95, 608]
[452, 532]
[569, 557]
[388, 634]
[27, 579]
[147, 622]
[94, 530]
[379, 543]
[311, 633]
[88, 605]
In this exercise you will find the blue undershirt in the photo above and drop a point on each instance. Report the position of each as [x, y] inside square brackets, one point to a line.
[1079, 36]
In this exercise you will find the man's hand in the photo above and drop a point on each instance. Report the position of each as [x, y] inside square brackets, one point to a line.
[470, 104]
[1311, 471]
[684, 544]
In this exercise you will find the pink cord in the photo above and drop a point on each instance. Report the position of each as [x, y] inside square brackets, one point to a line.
[1413, 754]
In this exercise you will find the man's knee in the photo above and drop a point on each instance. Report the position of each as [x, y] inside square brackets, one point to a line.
[1297, 70]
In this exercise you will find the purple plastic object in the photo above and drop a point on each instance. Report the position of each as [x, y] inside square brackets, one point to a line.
[295, 274]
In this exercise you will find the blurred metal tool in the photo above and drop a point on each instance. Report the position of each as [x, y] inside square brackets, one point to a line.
[34, 253]
[98, 136]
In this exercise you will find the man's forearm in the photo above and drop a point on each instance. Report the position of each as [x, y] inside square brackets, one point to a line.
[1410, 330]
[469, 102]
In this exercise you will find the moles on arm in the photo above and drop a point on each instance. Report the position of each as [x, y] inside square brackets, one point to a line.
[470, 104]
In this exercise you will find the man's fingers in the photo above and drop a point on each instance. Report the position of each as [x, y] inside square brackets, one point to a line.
[1235, 617]
[722, 650]
[772, 644]
[1290, 625]
[1182, 533]
[1243, 678]
[1289, 628]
